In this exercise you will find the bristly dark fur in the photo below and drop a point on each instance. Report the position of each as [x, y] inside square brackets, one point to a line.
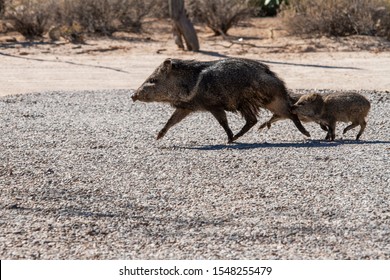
[233, 84]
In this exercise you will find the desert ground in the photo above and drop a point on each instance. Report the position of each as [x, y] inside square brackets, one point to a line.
[357, 62]
[82, 176]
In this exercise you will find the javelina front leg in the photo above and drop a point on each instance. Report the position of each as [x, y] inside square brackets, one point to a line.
[220, 115]
[325, 128]
[251, 120]
[328, 135]
[332, 131]
[299, 125]
[176, 117]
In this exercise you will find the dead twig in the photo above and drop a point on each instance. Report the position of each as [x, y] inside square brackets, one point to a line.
[115, 48]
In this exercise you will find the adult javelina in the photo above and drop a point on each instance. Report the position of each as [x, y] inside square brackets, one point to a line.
[331, 108]
[231, 84]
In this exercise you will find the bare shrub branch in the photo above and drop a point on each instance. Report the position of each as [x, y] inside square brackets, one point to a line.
[338, 17]
[219, 15]
[106, 16]
[31, 17]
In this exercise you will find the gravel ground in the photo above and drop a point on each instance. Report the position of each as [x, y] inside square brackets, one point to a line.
[82, 177]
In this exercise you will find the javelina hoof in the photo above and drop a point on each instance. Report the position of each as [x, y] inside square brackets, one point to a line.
[235, 137]
[330, 138]
[266, 124]
[133, 96]
[160, 135]
[231, 140]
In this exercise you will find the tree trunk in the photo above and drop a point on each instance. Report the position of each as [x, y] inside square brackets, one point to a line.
[2, 8]
[182, 26]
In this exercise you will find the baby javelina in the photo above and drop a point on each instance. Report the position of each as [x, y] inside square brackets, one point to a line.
[232, 84]
[338, 107]
[294, 97]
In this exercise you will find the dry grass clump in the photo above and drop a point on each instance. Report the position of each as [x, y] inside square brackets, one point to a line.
[33, 18]
[160, 9]
[219, 15]
[3, 27]
[338, 17]
[108, 16]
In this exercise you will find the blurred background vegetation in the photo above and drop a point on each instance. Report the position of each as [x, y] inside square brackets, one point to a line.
[77, 18]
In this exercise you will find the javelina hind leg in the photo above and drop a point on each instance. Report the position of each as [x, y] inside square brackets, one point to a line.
[251, 120]
[176, 117]
[324, 127]
[362, 127]
[299, 125]
[332, 131]
[220, 115]
[353, 125]
[268, 123]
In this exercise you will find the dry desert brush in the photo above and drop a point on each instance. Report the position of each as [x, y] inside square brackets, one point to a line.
[31, 18]
[338, 17]
[219, 15]
[108, 16]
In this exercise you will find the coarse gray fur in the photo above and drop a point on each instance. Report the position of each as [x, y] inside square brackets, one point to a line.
[232, 84]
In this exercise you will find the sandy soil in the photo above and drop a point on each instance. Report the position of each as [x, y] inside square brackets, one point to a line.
[124, 61]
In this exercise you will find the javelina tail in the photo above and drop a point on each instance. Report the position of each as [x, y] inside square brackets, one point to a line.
[291, 100]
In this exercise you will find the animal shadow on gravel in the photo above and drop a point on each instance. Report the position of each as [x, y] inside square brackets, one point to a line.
[307, 144]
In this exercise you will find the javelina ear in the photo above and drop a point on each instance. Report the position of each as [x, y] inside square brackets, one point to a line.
[168, 64]
[314, 96]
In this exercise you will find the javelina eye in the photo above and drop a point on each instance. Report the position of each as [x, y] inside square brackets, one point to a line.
[152, 81]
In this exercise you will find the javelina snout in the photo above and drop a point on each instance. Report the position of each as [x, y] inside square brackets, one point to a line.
[309, 105]
[233, 84]
[133, 95]
[145, 93]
